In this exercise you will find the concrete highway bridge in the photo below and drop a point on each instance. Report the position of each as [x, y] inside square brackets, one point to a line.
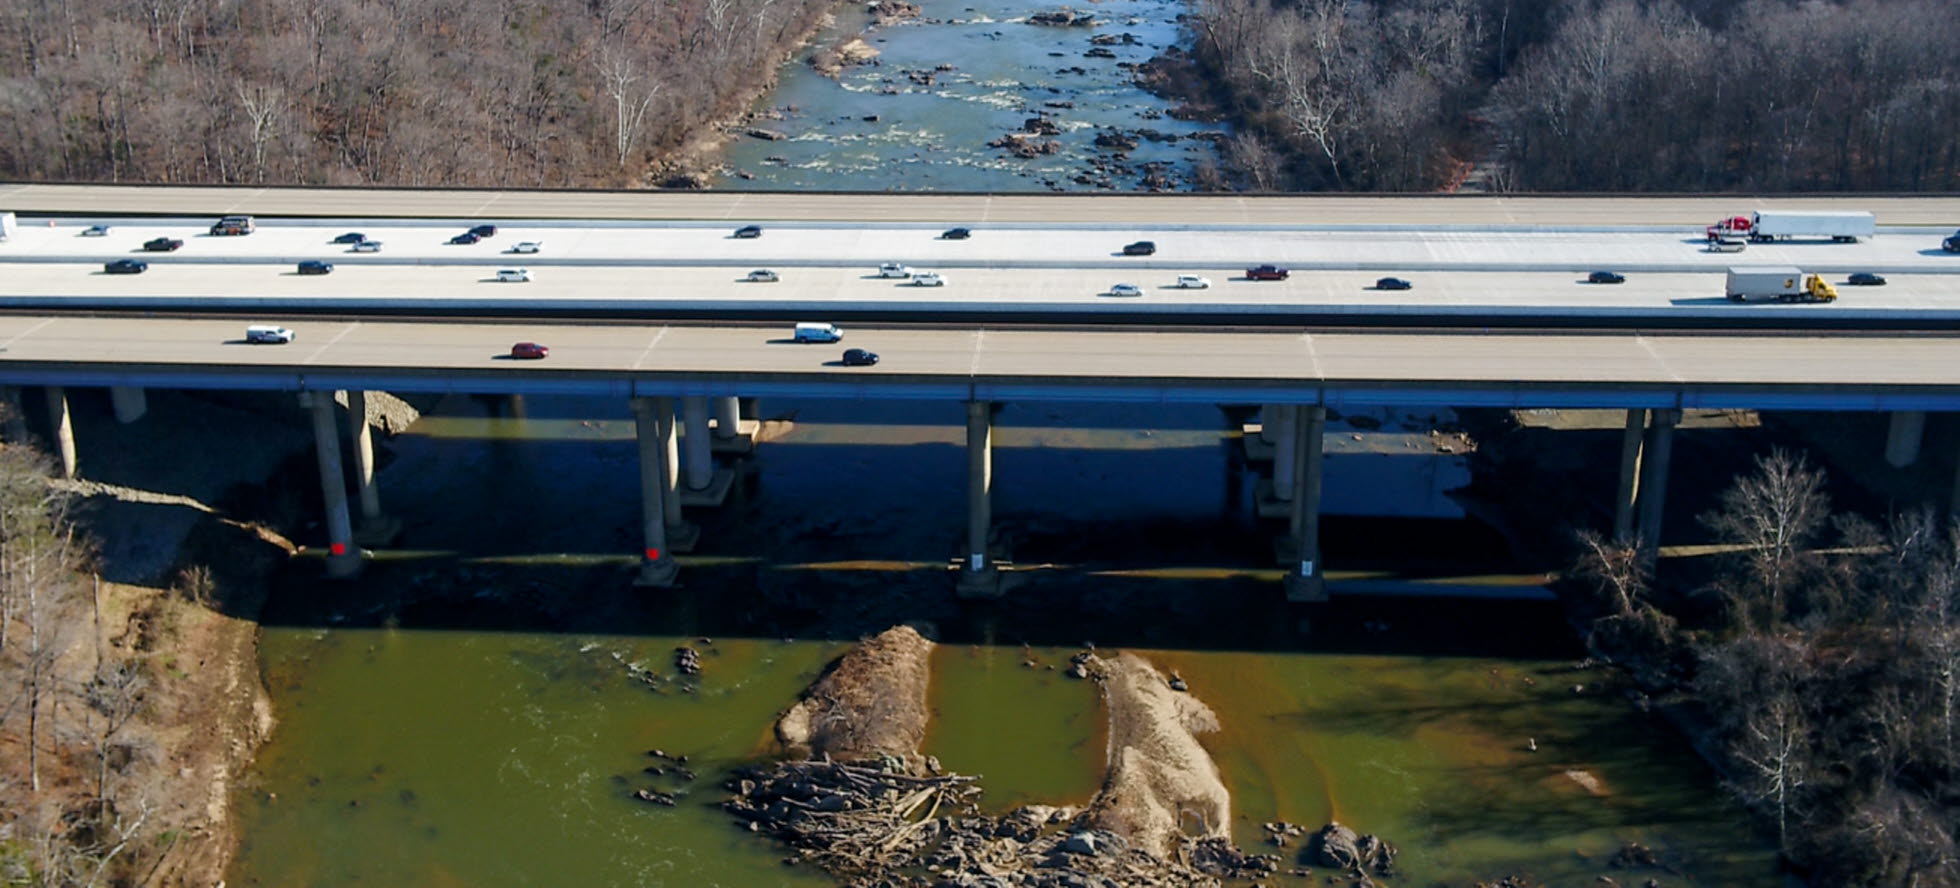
[658, 265]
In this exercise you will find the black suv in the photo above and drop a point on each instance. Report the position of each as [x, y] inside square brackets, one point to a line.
[748, 231]
[1606, 277]
[314, 266]
[857, 357]
[957, 233]
[352, 237]
[484, 231]
[1140, 248]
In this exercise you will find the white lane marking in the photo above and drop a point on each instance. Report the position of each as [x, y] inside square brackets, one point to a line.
[330, 343]
[1313, 355]
[979, 336]
[1649, 347]
[24, 333]
[642, 359]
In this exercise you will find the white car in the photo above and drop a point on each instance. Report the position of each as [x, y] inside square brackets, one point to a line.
[527, 246]
[1193, 282]
[894, 270]
[762, 276]
[367, 246]
[928, 279]
[1727, 245]
[514, 275]
[1126, 290]
[268, 333]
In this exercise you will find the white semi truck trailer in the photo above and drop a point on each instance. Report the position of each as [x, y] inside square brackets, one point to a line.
[1770, 225]
[1781, 283]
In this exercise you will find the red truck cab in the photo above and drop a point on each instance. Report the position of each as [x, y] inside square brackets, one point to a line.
[1733, 226]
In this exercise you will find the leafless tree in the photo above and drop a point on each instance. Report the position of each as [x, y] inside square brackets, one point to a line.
[1774, 514]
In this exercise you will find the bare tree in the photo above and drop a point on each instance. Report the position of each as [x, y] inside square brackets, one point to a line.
[619, 72]
[1774, 515]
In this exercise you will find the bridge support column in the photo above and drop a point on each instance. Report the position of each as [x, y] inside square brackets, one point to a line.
[1902, 439]
[979, 576]
[706, 484]
[1303, 578]
[129, 403]
[62, 426]
[15, 427]
[1269, 422]
[1653, 482]
[681, 536]
[376, 528]
[1285, 440]
[657, 565]
[733, 434]
[344, 557]
[1629, 490]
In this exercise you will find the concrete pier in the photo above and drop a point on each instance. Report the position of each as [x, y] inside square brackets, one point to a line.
[1902, 440]
[734, 433]
[1631, 442]
[979, 576]
[657, 565]
[707, 484]
[376, 529]
[681, 536]
[15, 422]
[1304, 580]
[1285, 440]
[1653, 481]
[129, 403]
[344, 557]
[62, 426]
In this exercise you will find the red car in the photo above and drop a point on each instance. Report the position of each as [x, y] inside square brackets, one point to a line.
[1266, 273]
[530, 350]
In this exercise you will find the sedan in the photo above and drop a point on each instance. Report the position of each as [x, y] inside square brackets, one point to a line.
[367, 246]
[529, 351]
[857, 357]
[95, 231]
[1606, 277]
[928, 279]
[1265, 273]
[748, 231]
[762, 276]
[126, 266]
[527, 246]
[1392, 284]
[466, 238]
[352, 237]
[1140, 248]
[162, 244]
[514, 275]
[1126, 290]
[314, 266]
[484, 231]
[1866, 279]
[957, 234]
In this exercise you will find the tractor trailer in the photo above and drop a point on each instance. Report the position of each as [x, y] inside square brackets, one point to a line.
[6, 226]
[1783, 284]
[1769, 225]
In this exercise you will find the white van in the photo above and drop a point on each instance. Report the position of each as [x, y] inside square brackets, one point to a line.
[818, 333]
[267, 333]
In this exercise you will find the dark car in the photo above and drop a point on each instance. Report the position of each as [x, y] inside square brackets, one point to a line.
[957, 233]
[1392, 284]
[314, 266]
[857, 357]
[352, 237]
[484, 231]
[1140, 248]
[529, 350]
[748, 231]
[1266, 273]
[1866, 279]
[162, 244]
[467, 237]
[1606, 277]
[126, 266]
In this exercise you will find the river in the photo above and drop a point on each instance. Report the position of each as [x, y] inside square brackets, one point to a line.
[477, 709]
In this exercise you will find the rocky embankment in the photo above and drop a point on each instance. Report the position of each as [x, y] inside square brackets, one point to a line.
[864, 804]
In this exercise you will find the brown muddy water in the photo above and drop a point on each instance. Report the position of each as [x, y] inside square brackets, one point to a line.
[476, 710]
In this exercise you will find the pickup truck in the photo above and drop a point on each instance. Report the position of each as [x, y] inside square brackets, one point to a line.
[1265, 273]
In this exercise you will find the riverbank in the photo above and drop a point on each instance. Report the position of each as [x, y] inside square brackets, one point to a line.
[164, 657]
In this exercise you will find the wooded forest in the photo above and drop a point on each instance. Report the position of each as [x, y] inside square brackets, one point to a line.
[375, 92]
[1820, 663]
[1588, 95]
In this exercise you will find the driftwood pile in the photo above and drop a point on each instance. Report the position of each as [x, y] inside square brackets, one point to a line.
[873, 823]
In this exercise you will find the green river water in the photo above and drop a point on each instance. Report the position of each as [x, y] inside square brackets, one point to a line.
[477, 710]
